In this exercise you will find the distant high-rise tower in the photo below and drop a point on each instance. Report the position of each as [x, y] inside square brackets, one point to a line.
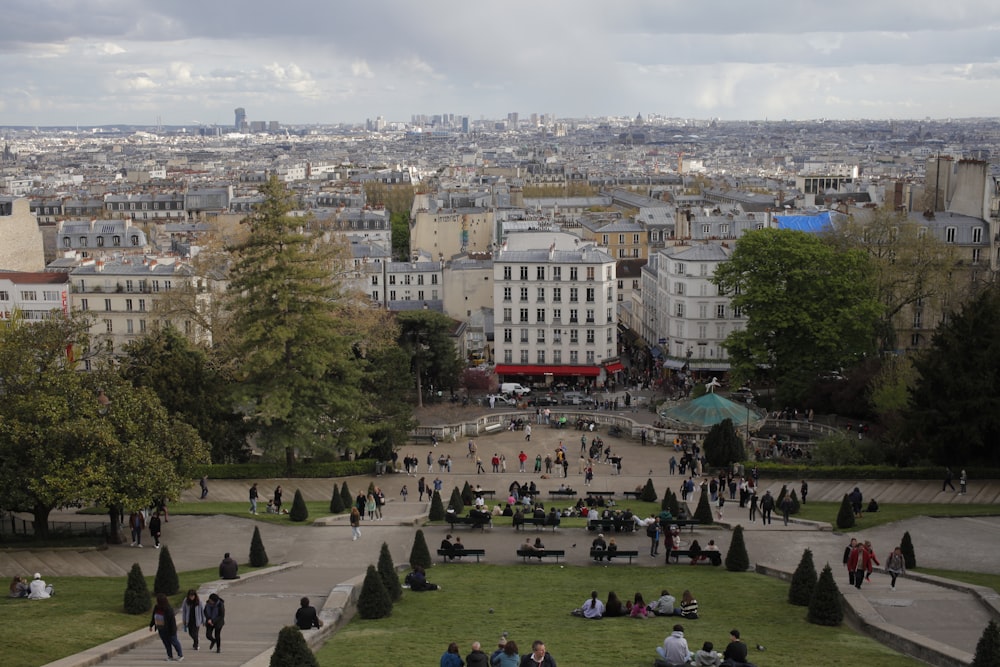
[241, 118]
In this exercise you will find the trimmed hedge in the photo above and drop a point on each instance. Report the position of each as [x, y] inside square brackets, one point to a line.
[277, 470]
[804, 470]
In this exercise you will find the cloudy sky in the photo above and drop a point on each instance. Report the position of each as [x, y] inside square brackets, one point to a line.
[296, 61]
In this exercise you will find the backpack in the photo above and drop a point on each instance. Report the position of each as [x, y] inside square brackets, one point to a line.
[651, 530]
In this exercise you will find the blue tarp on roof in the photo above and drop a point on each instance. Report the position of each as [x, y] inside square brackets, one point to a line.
[811, 224]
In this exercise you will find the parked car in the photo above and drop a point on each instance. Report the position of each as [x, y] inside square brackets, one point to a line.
[743, 394]
[543, 400]
[577, 398]
[500, 399]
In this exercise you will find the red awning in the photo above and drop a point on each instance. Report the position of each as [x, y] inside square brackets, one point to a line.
[614, 367]
[505, 369]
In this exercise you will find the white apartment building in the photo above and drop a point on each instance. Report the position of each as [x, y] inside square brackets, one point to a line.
[555, 309]
[684, 318]
[36, 295]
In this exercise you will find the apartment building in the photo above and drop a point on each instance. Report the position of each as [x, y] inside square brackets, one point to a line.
[36, 296]
[554, 310]
[22, 248]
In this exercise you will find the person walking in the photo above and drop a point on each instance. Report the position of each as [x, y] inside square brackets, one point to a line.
[521, 458]
[804, 491]
[136, 523]
[786, 507]
[154, 528]
[165, 624]
[370, 506]
[963, 482]
[355, 523]
[404, 492]
[253, 498]
[527, 433]
[193, 615]
[947, 480]
[277, 499]
[421, 488]
[766, 507]
[895, 565]
[215, 618]
[430, 461]
[204, 486]
[753, 507]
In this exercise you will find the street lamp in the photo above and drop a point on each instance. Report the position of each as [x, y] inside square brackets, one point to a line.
[749, 401]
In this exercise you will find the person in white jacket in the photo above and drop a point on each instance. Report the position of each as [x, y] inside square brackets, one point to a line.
[38, 589]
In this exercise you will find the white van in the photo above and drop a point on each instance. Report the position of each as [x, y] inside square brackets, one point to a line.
[512, 388]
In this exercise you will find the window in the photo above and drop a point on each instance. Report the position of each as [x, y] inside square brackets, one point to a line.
[610, 317]
[107, 304]
[679, 311]
[720, 311]
[977, 255]
[572, 273]
[540, 295]
[621, 239]
[557, 356]
[590, 273]
[540, 335]
[420, 295]
[506, 273]
[918, 317]
[557, 335]
[116, 241]
[702, 330]
[508, 356]
[507, 315]
[679, 268]
[128, 327]
[590, 336]
[635, 238]
[574, 357]
[524, 294]
[557, 315]
[590, 356]
[706, 229]
[29, 295]
[609, 337]
[679, 288]
[914, 340]
[573, 294]
[573, 319]
[557, 294]
[142, 326]
[407, 279]
[100, 241]
[524, 315]
[508, 335]
[434, 279]
[949, 235]
[556, 273]
[49, 295]
[524, 356]
[420, 279]
[590, 295]
[540, 315]
[142, 305]
[702, 310]
[524, 273]
[590, 316]
[84, 304]
[524, 335]
[128, 305]
[541, 356]
[724, 229]
[108, 326]
[703, 270]
[540, 273]
[574, 336]
[977, 235]
[507, 294]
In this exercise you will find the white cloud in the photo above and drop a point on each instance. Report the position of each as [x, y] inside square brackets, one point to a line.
[360, 68]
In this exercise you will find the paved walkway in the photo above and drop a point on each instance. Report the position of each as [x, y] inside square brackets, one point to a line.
[259, 607]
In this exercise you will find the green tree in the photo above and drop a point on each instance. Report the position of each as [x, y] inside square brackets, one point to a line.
[825, 607]
[722, 446]
[906, 546]
[258, 556]
[845, 517]
[299, 511]
[67, 436]
[166, 580]
[436, 512]
[456, 503]
[419, 553]
[703, 512]
[190, 387]
[387, 570]
[137, 592]
[291, 650]
[400, 235]
[467, 496]
[648, 494]
[336, 502]
[346, 497]
[803, 581]
[737, 559]
[374, 600]
[434, 360]
[889, 394]
[391, 415]
[300, 334]
[954, 414]
[809, 307]
[988, 647]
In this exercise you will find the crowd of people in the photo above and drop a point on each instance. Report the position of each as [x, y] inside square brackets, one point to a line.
[506, 654]
[860, 561]
[636, 607]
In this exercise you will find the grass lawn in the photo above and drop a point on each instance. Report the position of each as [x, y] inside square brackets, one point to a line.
[84, 612]
[317, 509]
[889, 512]
[975, 578]
[533, 602]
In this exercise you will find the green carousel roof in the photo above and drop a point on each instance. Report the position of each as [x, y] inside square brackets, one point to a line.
[711, 409]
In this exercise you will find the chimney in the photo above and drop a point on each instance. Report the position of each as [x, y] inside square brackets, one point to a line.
[99, 265]
[152, 264]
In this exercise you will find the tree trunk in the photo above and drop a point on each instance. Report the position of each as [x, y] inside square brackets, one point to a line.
[41, 515]
[116, 514]
[289, 458]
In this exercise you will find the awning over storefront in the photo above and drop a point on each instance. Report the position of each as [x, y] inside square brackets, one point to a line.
[614, 367]
[506, 369]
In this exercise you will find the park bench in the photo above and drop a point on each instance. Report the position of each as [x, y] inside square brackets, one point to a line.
[540, 554]
[479, 522]
[563, 493]
[538, 523]
[449, 554]
[600, 494]
[713, 557]
[608, 525]
[680, 523]
[602, 554]
[632, 494]
[485, 492]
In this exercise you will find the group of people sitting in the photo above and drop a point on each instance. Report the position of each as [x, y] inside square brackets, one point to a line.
[36, 590]
[675, 652]
[665, 605]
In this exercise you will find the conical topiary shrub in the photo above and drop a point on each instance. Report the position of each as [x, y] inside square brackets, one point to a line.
[906, 546]
[345, 497]
[825, 607]
[437, 508]
[336, 502]
[648, 494]
[374, 600]
[796, 505]
[703, 513]
[803, 581]
[137, 592]
[166, 581]
[737, 559]
[781, 496]
[665, 501]
[468, 498]
[456, 504]
[845, 517]
[420, 554]
[292, 650]
[299, 511]
[988, 647]
[387, 570]
[258, 557]
[672, 504]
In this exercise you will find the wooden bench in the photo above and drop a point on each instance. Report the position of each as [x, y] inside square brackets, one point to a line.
[450, 554]
[680, 523]
[485, 492]
[538, 523]
[608, 525]
[632, 494]
[471, 521]
[492, 428]
[602, 554]
[601, 494]
[540, 554]
[713, 557]
[563, 493]
[424, 437]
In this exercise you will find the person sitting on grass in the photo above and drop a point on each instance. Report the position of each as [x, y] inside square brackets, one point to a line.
[614, 606]
[18, 588]
[417, 580]
[38, 589]
[639, 609]
[664, 605]
[689, 606]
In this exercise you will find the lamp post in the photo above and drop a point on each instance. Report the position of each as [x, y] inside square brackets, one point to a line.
[749, 401]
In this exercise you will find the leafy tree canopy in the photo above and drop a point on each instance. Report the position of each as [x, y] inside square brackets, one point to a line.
[434, 360]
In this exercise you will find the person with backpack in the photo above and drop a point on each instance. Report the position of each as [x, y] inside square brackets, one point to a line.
[653, 533]
[766, 507]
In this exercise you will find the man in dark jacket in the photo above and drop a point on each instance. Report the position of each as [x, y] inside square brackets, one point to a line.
[477, 658]
[306, 617]
[229, 568]
[154, 528]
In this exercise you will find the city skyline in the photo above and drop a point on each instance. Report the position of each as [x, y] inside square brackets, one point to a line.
[142, 63]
